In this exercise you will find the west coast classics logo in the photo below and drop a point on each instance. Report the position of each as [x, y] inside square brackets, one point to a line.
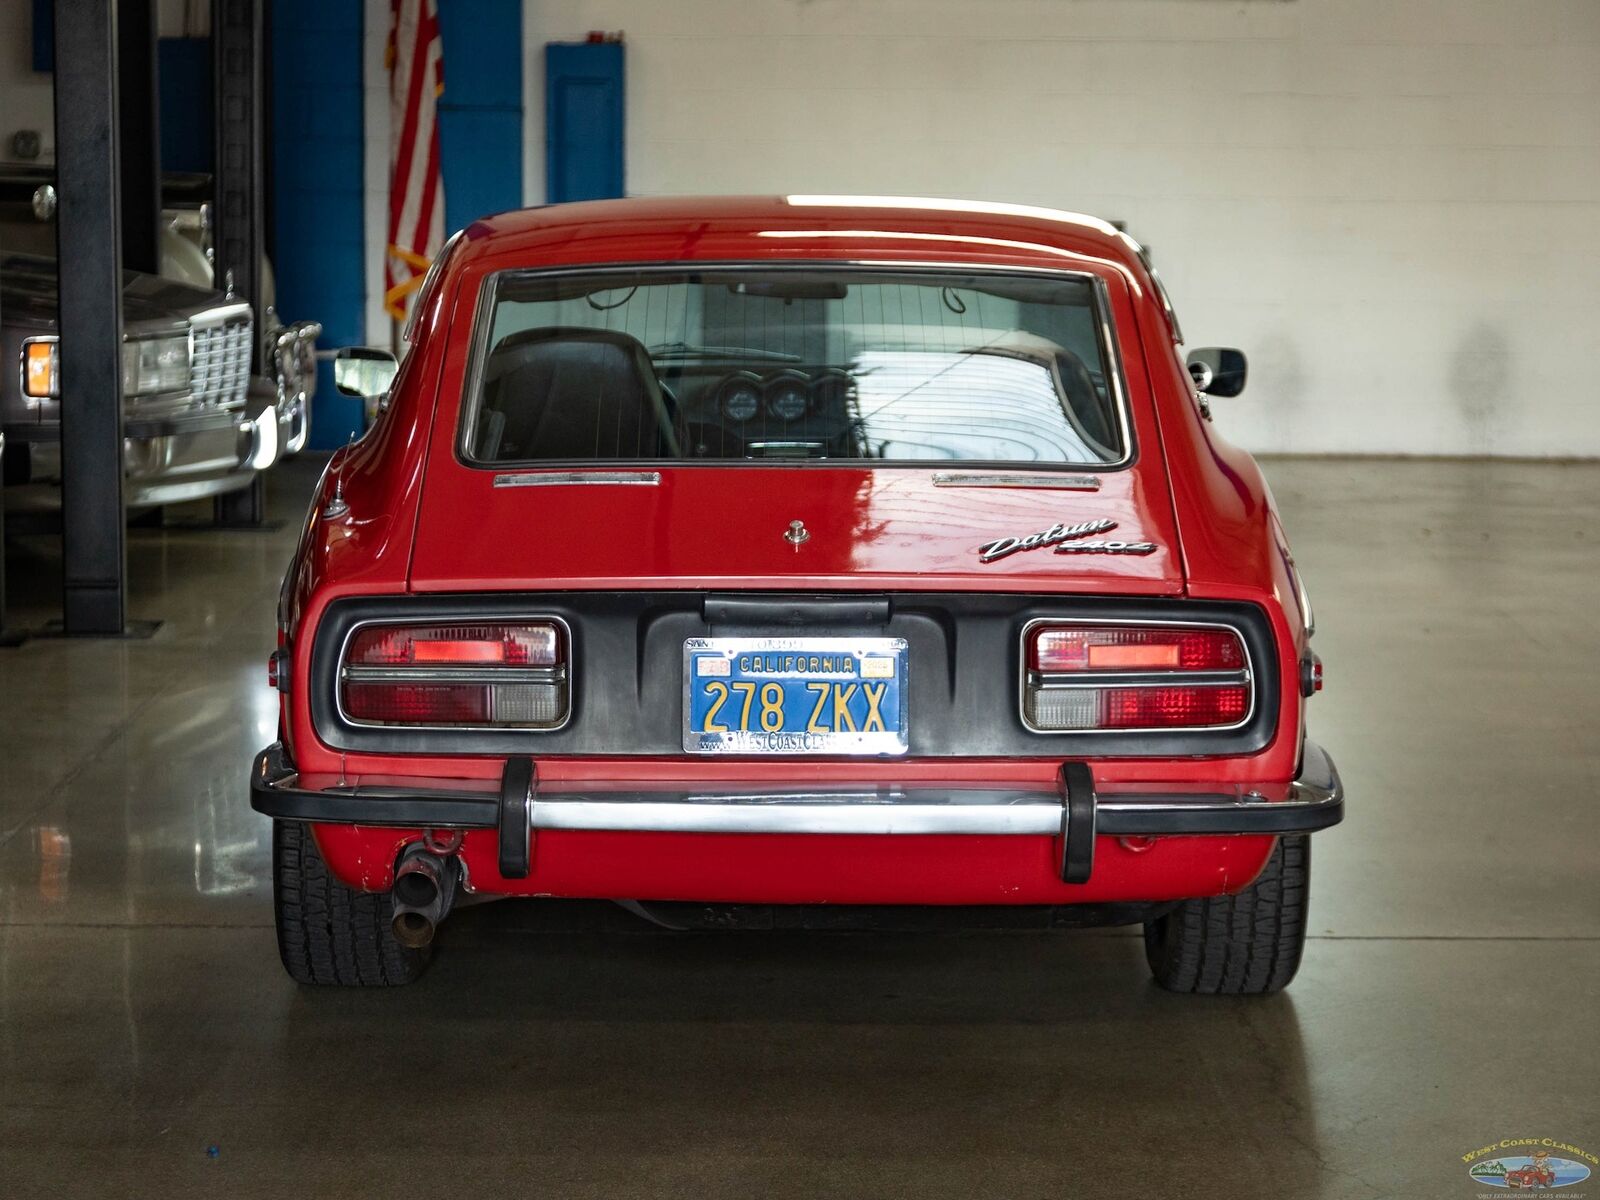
[1529, 1164]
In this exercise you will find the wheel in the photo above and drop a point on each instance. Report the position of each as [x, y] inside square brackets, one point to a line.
[328, 933]
[1246, 944]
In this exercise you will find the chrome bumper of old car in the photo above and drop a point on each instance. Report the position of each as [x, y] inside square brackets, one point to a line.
[1074, 810]
[189, 457]
[294, 362]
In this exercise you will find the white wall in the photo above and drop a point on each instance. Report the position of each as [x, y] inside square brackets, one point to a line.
[1392, 205]
[27, 97]
[27, 100]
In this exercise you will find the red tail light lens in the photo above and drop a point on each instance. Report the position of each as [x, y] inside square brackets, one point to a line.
[1163, 707]
[1113, 648]
[408, 645]
[1121, 677]
[493, 674]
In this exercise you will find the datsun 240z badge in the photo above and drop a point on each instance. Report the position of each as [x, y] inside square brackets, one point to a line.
[1067, 539]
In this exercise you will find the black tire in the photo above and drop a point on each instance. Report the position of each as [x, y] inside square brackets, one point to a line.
[1248, 944]
[327, 933]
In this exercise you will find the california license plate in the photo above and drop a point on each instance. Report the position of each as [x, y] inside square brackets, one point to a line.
[843, 695]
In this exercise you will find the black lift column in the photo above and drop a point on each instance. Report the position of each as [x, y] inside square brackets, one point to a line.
[139, 111]
[240, 206]
[89, 253]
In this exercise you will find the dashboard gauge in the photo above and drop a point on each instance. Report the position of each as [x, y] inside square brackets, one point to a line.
[830, 390]
[741, 397]
[788, 396]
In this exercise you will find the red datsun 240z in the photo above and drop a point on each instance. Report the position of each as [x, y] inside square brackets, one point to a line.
[715, 555]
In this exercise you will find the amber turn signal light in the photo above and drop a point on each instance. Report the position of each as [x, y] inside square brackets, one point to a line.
[41, 368]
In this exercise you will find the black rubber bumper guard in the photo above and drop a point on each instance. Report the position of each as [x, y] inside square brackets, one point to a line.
[1073, 813]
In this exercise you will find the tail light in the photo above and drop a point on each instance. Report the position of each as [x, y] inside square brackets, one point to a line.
[493, 674]
[1127, 677]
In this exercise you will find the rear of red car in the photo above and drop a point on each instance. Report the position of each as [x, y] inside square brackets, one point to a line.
[749, 553]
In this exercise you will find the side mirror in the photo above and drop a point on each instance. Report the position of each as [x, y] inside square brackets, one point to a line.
[1217, 370]
[363, 371]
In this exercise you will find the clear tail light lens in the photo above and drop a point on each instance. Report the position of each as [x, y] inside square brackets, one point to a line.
[1120, 677]
[492, 674]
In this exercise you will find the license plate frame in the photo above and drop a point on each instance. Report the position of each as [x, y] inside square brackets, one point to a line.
[883, 743]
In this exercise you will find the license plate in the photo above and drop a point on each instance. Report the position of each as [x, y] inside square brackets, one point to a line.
[794, 695]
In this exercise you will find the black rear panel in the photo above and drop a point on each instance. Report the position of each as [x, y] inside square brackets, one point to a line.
[627, 668]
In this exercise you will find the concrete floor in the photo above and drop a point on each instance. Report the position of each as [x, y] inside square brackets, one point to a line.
[1449, 998]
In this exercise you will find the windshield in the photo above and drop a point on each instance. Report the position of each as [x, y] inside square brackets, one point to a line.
[763, 363]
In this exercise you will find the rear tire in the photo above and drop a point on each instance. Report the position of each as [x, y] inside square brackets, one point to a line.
[329, 934]
[1247, 944]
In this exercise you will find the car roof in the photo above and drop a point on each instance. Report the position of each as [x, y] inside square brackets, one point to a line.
[880, 228]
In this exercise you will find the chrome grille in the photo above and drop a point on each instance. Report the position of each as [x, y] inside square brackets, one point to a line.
[219, 362]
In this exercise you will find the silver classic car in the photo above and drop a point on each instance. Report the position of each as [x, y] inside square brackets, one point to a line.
[196, 422]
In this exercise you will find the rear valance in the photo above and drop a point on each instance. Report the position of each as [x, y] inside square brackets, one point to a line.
[624, 652]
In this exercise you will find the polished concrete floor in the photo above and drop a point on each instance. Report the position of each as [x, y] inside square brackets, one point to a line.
[150, 1045]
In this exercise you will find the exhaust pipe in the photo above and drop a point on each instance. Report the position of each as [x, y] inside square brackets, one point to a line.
[424, 888]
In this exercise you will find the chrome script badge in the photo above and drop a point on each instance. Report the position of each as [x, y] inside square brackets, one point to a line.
[1067, 539]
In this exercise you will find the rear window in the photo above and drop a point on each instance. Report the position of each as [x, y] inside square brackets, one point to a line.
[770, 363]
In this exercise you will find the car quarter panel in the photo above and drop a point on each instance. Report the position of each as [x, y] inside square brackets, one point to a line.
[1233, 543]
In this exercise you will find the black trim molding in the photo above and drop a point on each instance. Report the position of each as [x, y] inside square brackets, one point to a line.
[626, 656]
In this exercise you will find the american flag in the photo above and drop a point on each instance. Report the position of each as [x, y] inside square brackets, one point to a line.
[416, 188]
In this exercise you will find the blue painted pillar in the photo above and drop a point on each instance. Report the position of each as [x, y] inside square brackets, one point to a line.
[480, 113]
[317, 163]
[583, 117]
[318, 160]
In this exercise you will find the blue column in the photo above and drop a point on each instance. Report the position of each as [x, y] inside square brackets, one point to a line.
[317, 162]
[480, 113]
[583, 116]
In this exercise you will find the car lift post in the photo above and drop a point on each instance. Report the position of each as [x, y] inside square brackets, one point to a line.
[2, 549]
[140, 113]
[89, 251]
[239, 207]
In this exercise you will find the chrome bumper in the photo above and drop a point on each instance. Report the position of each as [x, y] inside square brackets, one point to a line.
[170, 462]
[1075, 809]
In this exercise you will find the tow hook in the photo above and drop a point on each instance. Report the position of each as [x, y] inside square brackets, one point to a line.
[424, 889]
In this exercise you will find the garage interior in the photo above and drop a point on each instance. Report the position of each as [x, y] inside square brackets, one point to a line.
[1392, 209]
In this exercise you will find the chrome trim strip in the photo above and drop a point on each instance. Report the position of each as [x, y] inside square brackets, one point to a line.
[1307, 613]
[556, 478]
[789, 445]
[1313, 801]
[398, 674]
[465, 730]
[221, 315]
[1054, 680]
[1070, 483]
[862, 812]
[1022, 676]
